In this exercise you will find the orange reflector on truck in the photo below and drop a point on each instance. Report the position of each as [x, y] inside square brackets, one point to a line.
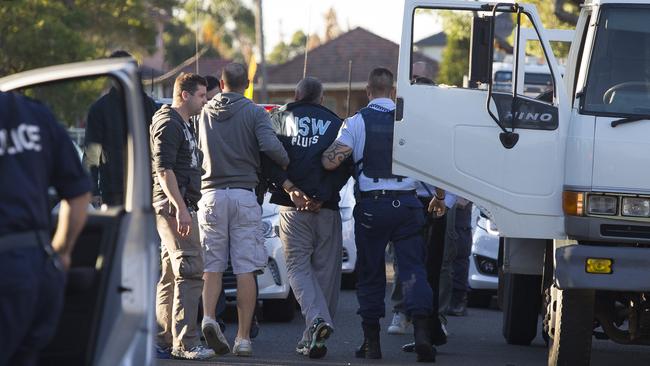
[573, 203]
[599, 265]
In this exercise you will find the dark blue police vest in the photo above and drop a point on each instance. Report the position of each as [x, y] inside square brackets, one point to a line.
[378, 149]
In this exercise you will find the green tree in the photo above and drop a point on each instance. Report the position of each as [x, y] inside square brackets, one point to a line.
[226, 27]
[36, 33]
[284, 52]
[455, 57]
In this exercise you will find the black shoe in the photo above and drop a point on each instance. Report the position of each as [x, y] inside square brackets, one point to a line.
[438, 336]
[320, 331]
[425, 352]
[370, 348]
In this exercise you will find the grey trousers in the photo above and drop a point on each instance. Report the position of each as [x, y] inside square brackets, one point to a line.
[180, 285]
[312, 248]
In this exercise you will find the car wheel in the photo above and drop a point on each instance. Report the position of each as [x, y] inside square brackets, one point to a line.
[522, 299]
[479, 299]
[571, 330]
[279, 310]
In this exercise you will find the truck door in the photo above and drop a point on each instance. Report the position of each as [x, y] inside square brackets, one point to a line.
[108, 310]
[453, 131]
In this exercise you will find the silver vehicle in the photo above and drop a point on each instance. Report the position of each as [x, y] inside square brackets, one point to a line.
[110, 289]
[483, 276]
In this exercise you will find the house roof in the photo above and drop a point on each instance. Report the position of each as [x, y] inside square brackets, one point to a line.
[438, 39]
[329, 62]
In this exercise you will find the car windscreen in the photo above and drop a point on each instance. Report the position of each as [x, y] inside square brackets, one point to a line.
[618, 81]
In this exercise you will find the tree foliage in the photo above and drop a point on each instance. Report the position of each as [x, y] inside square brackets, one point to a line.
[36, 33]
[227, 27]
[283, 52]
[455, 57]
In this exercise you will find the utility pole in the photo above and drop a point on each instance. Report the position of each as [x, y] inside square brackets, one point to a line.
[259, 35]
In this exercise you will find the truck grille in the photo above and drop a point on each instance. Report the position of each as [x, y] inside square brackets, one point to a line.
[625, 231]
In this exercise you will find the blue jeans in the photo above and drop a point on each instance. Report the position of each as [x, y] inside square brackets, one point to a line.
[378, 221]
[31, 301]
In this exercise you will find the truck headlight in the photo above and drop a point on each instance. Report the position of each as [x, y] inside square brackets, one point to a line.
[602, 205]
[635, 206]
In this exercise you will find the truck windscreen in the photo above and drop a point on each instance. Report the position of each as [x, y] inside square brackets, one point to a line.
[618, 83]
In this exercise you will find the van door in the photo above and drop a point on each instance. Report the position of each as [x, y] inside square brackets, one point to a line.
[445, 134]
[108, 311]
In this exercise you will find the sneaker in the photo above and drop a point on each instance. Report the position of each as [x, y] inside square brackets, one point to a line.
[319, 332]
[199, 352]
[163, 353]
[214, 337]
[255, 328]
[303, 348]
[400, 324]
[242, 347]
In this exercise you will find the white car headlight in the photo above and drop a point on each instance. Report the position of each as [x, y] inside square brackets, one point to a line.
[602, 205]
[635, 206]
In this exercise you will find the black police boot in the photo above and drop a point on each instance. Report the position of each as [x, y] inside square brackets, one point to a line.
[370, 348]
[438, 336]
[423, 348]
[458, 305]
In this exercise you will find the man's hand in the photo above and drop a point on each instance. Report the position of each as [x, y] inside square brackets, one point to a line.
[65, 261]
[299, 199]
[96, 201]
[184, 221]
[437, 207]
[314, 206]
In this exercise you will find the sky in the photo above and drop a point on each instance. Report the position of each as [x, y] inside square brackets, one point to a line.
[284, 17]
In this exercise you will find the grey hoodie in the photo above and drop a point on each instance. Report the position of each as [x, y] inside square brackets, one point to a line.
[232, 133]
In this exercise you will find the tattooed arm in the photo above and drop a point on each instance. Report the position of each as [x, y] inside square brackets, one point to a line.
[335, 155]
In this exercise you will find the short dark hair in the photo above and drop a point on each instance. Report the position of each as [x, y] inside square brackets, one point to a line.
[120, 54]
[187, 82]
[380, 81]
[212, 81]
[309, 90]
[235, 76]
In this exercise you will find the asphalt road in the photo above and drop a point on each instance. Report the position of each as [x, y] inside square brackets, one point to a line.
[473, 340]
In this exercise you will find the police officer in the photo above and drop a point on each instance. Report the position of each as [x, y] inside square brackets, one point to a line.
[35, 153]
[388, 210]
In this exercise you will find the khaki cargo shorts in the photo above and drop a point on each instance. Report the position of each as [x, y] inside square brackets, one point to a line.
[230, 222]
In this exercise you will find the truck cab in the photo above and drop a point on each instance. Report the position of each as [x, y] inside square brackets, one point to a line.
[560, 174]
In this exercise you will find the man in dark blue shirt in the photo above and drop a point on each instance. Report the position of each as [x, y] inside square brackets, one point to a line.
[35, 153]
[310, 223]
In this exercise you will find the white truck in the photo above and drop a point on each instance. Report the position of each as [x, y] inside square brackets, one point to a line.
[564, 176]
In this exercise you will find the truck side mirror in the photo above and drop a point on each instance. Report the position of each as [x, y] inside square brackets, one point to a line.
[480, 58]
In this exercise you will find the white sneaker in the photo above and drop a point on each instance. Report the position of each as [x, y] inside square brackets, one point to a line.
[199, 352]
[242, 347]
[400, 324]
[214, 337]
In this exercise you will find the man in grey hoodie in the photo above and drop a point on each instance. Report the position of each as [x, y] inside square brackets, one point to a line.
[232, 132]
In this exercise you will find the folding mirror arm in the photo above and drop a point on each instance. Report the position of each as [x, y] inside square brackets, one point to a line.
[508, 138]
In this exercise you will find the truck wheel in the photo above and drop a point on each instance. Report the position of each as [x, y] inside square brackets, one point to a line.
[522, 298]
[279, 310]
[572, 328]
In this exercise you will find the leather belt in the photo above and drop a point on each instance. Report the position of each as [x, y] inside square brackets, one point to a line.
[244, 188]
[378, 193]
[24, 239]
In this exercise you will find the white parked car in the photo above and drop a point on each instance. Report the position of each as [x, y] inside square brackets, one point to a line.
[349, 257]
[483, 275]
